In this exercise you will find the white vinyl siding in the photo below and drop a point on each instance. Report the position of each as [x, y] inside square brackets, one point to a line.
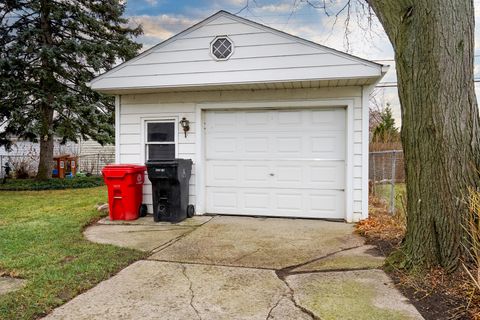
[260, 55]
[133, 118]
[92, 147]
[134, 109]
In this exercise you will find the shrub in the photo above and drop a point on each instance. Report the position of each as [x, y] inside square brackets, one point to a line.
[52, 184]
[24, 164]
[22, 170]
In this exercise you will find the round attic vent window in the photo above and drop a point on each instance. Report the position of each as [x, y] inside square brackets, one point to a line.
[222, 48]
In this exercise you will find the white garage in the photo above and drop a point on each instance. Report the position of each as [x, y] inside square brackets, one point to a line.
[278, 125]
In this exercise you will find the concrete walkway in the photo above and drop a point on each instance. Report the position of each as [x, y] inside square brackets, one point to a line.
[241, 268]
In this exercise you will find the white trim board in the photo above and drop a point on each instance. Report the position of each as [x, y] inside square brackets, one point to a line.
[314, 103]
[117, 128]
[143, 132]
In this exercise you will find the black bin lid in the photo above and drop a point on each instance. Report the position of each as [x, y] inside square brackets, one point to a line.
[155, 163]
[167, 162]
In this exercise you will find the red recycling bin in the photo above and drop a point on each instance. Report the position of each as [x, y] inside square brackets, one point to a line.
[125, 190]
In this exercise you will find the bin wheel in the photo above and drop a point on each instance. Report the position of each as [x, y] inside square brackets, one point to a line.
[190, 210]
[142, 211]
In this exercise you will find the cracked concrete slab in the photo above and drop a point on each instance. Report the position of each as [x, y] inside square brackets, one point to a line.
[242, 268]
[286, 309]
[364, 257]
[9, 284]
[140, 237]
[355, 295]
[160, 290]
[261, 242]
[195, 221]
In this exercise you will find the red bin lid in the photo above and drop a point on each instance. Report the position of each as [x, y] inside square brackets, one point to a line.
[116, 169]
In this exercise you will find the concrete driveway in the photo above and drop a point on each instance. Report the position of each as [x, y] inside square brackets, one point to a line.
[241, 268]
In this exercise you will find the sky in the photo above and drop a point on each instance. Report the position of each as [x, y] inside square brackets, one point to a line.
[361, 36]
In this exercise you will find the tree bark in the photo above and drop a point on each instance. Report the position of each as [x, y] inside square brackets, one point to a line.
[434, 52]
[45, 162]
[44, 171]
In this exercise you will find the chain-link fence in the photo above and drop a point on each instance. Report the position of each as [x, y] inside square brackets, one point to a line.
[27, 164]
[94, 163]
[387, 176]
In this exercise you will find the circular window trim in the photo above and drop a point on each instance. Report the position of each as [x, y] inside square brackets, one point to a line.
[211, 48]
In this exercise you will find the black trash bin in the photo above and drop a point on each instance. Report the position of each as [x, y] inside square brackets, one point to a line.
[170, 189]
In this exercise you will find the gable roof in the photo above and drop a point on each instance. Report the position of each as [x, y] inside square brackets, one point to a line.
[267, 56]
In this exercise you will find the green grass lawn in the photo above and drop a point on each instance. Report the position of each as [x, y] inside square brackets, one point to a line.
[41, 241]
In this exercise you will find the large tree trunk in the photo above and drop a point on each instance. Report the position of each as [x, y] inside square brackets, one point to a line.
[44, 171]
[434, 51]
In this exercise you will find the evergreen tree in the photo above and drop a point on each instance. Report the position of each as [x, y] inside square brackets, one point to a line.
[386, 131]
[49, 50]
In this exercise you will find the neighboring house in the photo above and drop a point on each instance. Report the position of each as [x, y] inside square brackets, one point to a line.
[278, 124]
[92, 156]
[25, 154]
[83, 147]
[91, 147]
[23, 147]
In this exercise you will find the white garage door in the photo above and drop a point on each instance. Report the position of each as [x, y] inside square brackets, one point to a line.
[276, 162]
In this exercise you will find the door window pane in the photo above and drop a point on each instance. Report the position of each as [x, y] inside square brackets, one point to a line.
[160, 132]
[161, 151]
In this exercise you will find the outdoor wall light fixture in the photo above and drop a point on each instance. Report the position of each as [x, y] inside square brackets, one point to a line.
[185, 125]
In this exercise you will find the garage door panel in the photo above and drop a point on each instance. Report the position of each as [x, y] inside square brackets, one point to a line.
[289, 174]
[290, 117]
[222, 120]
[276, 162]
[327, 121]
[246, 173]
[256, 118]
[289, 200]
[256, 200]
[289, 145]
[328, 175]
[327, 205]
[223, 199]
[254, 145]
[278, 202]
[226, 173]
[253, 173]
[223, 146]
[272, 146]
[322, 202]
[321, 120]
[327, 146]
[276, 174]
[260, 128]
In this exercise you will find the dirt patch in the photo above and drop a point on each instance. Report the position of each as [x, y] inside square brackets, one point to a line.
[67, 259]
[436, 294]
[9, 284]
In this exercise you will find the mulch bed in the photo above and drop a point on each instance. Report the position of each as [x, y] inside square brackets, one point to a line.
[436, 294]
